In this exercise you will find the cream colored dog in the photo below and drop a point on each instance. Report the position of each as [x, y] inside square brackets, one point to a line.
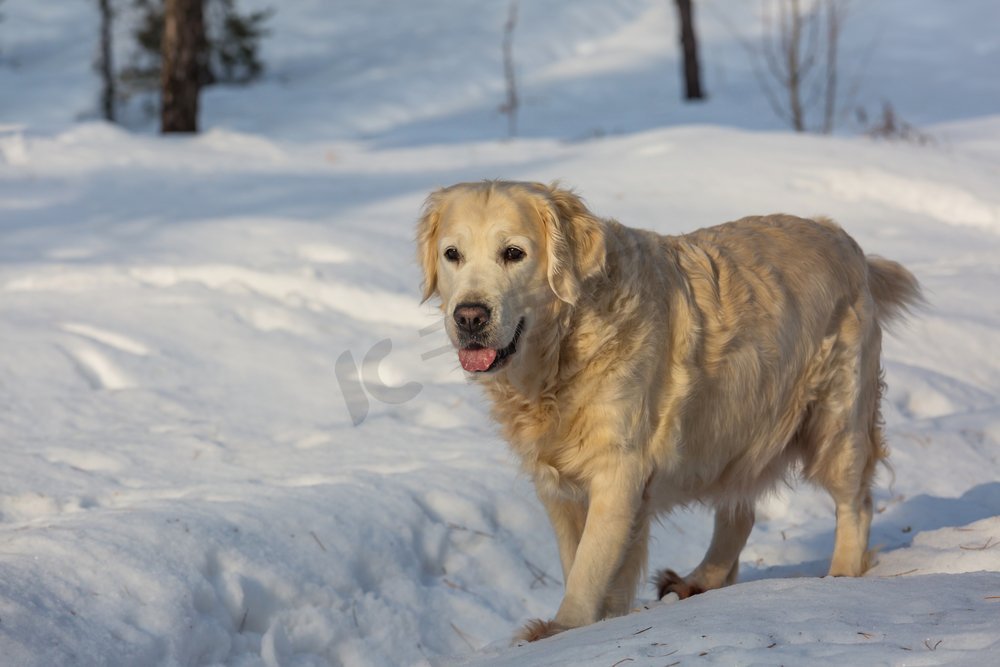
[634, 372]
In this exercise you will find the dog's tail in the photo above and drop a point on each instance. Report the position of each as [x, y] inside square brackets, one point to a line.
[894, 289]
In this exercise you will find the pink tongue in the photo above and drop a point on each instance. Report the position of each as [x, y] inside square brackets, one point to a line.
[477, 360]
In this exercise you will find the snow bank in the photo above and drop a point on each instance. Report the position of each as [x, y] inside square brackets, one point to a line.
[185, 483]
[935, 619]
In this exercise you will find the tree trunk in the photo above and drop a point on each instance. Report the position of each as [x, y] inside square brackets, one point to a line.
[105, 62]
[689, 45]
[511, 104]
[835, 14]
[183, 63]
[796, 66]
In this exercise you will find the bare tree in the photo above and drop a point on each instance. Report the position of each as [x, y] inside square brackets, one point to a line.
[105, 61]
[184, 52]
[511, 103]
[800, 51]
[836, 13]
[689, 47]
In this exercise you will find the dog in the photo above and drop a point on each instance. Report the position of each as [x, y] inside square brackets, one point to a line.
[633, 372]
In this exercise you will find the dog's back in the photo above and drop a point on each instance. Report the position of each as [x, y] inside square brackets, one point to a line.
[781, 330]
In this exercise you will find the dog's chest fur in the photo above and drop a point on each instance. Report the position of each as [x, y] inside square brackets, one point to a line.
[584, 412]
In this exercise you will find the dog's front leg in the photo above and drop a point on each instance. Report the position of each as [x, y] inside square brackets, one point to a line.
[567, 516]
[615, 497]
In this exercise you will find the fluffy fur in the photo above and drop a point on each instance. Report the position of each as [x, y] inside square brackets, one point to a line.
[653, 371]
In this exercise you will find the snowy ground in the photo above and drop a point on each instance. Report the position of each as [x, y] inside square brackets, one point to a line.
[185, 322]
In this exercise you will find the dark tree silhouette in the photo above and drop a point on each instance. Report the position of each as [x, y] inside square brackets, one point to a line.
[184, 50]
[689, 46]
[232, 45]
[105, 61]
[512, 102]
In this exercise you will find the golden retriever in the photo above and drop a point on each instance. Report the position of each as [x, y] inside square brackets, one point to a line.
[634, 372]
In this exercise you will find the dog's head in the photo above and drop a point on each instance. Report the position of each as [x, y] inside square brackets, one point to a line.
[505, 259]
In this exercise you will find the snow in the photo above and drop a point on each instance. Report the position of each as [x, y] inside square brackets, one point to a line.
[807, 622]
[192, 326]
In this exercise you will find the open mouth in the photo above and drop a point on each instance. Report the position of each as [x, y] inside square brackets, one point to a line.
[477, 358]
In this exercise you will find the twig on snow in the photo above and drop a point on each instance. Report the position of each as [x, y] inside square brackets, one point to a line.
[455, 526]
[316, 537]
[453, 585]
[990, 543]
[461, 634]
[540, 576]
[903, 574]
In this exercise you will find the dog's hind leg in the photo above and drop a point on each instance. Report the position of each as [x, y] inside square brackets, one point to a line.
[854, 516]
[848, 479]
[721, 563]
[843, 442]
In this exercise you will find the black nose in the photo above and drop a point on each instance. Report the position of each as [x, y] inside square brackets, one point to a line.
[472, 317]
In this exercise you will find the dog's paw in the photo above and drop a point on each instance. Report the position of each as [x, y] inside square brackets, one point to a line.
[536, 629]
[668, 581]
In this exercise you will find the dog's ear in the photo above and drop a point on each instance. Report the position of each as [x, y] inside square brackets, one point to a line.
[427, 233]
[575, 242]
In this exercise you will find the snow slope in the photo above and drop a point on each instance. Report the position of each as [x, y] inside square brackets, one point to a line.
[185, 324]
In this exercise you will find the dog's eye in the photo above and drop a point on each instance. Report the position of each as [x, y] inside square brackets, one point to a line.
[513, 254]
[451, 254]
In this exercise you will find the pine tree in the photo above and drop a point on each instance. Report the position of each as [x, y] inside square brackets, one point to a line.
[232, 43]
